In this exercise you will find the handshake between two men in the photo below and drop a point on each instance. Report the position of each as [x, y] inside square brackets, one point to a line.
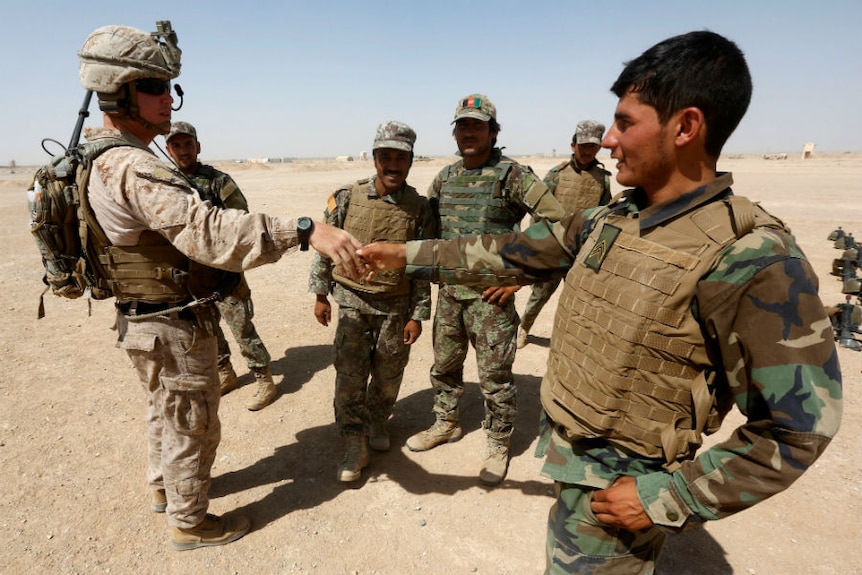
[364, 262]
[354, 259]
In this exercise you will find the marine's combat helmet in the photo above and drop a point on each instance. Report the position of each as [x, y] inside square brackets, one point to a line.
[114, 57]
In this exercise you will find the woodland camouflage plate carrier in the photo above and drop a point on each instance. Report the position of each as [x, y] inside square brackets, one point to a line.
[476, 203]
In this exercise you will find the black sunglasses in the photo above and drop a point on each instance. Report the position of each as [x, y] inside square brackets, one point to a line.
[153, 86]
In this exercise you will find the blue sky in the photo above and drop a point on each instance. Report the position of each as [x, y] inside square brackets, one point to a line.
[315, 78]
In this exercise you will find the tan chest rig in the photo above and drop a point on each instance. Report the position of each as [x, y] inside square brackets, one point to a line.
[373, 219]
[628, 361]
[578, 191]
[157, 273]
[154, 271]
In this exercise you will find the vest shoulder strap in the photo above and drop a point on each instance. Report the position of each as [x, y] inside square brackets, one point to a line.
[742, 215]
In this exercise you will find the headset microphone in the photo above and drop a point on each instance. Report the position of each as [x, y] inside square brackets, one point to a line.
[179, 90]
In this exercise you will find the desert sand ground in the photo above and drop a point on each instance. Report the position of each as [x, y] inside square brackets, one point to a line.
[72, 442]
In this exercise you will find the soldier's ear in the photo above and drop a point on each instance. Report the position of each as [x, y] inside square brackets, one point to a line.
[689, 126]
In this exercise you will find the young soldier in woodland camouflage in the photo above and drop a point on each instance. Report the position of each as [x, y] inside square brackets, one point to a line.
[484, 192]
[378, 321]
[236, 307]
[680, 300]
[578, 184]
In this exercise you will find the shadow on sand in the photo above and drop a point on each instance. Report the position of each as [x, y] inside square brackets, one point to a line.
[303, 482]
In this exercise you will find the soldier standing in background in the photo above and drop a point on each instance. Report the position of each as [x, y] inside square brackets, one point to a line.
[578, 184]
[235, 307]
[681, 299]
[378, 321]
[163, 245]
[484, 192]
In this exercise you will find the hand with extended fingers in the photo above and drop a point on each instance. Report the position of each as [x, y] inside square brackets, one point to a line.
[381, 256]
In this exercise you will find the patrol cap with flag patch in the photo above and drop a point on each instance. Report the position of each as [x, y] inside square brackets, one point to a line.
[476, 106]
[589, 132]
[181, 128]
[395, 135]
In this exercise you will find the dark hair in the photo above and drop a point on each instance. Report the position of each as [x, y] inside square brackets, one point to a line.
[701, 69]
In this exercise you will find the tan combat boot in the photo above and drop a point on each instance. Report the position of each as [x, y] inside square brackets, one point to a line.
[378, 436]
[160, 501]
[213, 530]
[227, 378]
[443, 431]
[265, 392]
[522, 337]
[355, 458]
[496, 459]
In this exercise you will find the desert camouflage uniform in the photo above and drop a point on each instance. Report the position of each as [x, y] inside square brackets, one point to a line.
[133, 194]
[770, 347]
[369, 337]
[463, 318]
[594, 175]
[236, 308]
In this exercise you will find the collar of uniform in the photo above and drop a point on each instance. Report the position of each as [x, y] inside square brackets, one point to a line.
[589, 166]
[99, 132]
[391, 198]
[196, 172]
[495, 158]
[660, 213]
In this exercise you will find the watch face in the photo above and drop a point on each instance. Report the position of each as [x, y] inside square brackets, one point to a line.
[303, 224]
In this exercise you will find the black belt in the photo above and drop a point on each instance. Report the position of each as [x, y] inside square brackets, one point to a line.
[136, 308]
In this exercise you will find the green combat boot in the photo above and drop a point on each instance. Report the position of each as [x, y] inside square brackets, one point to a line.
[378, 437]
[496, 459]
[443, 431]
[265, 392]
[355, 459]
[227, 378]
[213, 530]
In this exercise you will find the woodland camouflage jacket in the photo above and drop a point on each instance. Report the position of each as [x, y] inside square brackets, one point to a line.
[768, 339]
[218, 187]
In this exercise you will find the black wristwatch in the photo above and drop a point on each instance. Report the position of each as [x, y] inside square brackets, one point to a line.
[304, 227]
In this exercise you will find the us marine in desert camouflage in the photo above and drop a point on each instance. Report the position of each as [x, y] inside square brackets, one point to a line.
[166, 249]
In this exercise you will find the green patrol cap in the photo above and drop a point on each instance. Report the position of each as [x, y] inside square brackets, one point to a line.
[181, 128]
[589, 132]
[476, 106]
[395, 135]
